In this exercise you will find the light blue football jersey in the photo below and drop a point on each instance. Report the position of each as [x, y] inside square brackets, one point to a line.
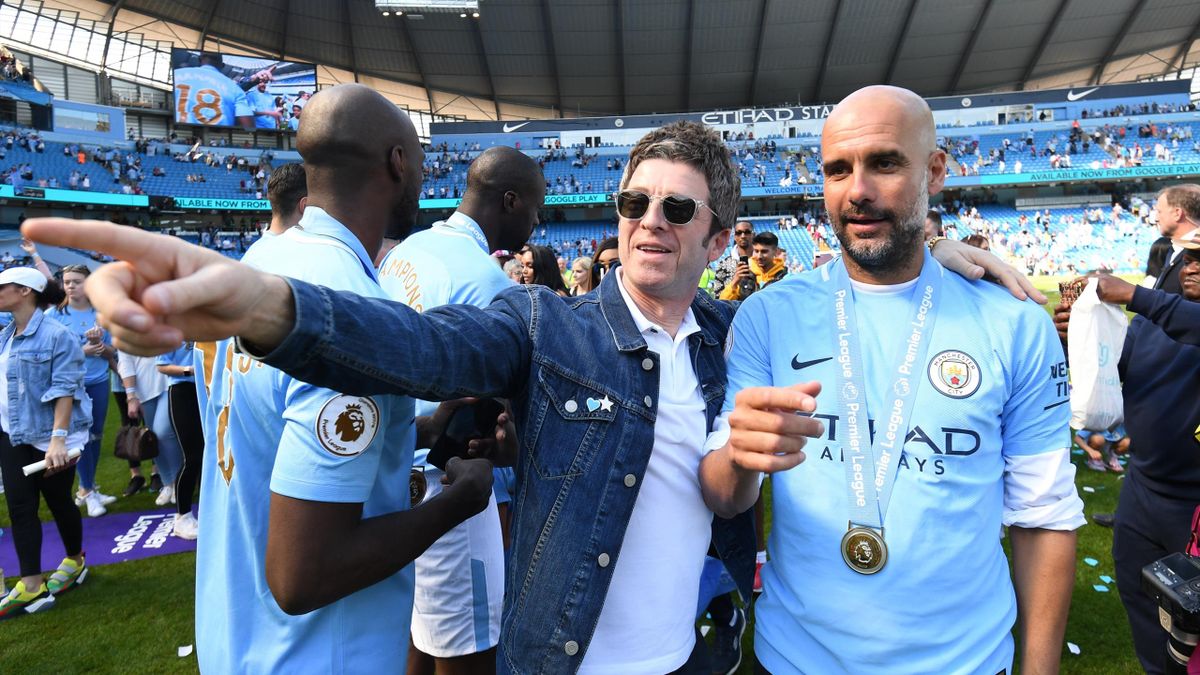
[79, 322]
[179, 357]
[993, 385]
[276, 434]
[448, 264]
[259, 101]
[204, 95]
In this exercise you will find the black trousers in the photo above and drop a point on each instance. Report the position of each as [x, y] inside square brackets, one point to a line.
[21, 492]
[185, 418]
[1148, 526]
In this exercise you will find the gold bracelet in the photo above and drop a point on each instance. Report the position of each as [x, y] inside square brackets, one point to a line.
[933, 241]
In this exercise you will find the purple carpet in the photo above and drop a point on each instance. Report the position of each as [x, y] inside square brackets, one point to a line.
[115, 537]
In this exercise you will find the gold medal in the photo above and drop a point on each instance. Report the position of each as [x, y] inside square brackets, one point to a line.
[864, 550]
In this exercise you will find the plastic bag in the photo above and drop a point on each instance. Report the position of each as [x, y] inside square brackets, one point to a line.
[1095, 337]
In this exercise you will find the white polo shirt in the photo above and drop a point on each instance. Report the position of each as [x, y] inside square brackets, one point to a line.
[647, 623]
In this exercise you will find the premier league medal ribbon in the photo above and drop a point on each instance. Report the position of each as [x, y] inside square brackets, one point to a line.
[871, 467]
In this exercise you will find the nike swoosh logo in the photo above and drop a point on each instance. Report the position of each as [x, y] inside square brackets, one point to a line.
[801, 365]
[1072, 96]
[509, 128]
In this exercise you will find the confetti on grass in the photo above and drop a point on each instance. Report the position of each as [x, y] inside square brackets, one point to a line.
[1088, 488]
[185, 650]
[1073, 648]
[1100, 588]
[1105, 578]
[1091, 562]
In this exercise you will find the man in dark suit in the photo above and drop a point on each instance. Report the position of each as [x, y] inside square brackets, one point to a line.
[1178, 209]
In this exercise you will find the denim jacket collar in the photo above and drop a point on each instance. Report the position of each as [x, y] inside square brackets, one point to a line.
[626, 334]
[35, 322]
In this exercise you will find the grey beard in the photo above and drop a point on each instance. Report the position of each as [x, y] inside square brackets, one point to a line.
[887, 255]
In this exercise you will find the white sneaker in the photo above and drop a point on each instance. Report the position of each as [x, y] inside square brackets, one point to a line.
[165, 496]
[186, 526]
[95, 507]
[104, 499]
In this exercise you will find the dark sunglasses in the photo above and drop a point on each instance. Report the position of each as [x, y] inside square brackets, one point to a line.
[738, 233]
[677, 209]
[606, 265]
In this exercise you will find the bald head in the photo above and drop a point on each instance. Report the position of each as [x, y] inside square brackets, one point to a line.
[362, 159]
[505, 189]
[881, 165]
[351, 126]
[502, 169]
[899, 107]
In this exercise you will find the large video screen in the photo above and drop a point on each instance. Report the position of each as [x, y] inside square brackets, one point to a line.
[223, 90]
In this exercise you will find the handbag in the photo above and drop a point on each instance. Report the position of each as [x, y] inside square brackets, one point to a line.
[136, 443]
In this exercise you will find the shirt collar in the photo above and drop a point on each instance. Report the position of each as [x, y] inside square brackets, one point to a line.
[315, 221]
[462, 222]
[645, 325]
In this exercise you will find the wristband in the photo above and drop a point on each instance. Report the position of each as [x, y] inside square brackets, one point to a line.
[58, 433]
[130, 391]
[933, 241]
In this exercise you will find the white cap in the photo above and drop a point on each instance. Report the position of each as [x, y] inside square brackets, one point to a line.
[24, 276]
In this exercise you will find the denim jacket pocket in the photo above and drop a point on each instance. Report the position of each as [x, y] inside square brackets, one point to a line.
[35, 366]
[571, 420]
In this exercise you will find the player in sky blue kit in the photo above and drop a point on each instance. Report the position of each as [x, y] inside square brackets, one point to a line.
[942, 402]
[460, 579]
[262, 104]
[285, 454]
[205, 95]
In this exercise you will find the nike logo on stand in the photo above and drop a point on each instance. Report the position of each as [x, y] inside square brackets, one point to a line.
[509, 128]
[801, 365]
[1072, 96]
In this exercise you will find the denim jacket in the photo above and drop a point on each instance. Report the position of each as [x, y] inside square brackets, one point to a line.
[580, 466]
[45, 363]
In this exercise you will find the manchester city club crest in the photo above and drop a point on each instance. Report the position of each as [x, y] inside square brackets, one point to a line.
[954, 373]
[347, 424]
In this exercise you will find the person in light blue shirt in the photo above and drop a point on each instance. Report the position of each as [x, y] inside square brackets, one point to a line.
[204, 95]
[78, 315]
[306, 520]
[942, 414]
[262, 104]
[460, 579]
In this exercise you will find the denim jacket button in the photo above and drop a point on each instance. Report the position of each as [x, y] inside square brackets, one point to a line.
[648, 401]
[602, 560]
[647, 363]
[571, 648]
[630, 480]
[571, 406]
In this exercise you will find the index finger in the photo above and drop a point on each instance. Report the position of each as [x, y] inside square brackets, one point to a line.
[118, 241]
[798, 398]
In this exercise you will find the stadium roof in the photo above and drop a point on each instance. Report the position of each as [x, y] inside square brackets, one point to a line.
[641, 56]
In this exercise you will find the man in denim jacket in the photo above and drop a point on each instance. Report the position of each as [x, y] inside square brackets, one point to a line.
[605, 418]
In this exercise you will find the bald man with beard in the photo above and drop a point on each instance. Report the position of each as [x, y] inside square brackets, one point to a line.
[306, 524]
[942, 405]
